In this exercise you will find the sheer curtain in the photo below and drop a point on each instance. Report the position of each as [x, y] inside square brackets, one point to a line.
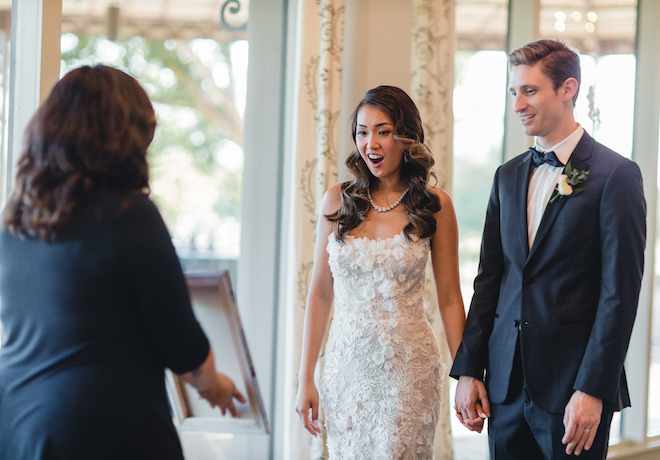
[432, 77]
[316, 160]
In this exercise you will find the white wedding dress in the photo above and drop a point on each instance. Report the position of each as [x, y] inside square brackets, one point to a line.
[382, 371]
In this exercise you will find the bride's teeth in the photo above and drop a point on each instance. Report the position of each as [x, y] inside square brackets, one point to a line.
[374, 157]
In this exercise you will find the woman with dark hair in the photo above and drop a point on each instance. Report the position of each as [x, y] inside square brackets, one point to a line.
[94, 303]
[382, 372]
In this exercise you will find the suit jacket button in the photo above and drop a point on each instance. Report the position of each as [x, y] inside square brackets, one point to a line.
[528, 280]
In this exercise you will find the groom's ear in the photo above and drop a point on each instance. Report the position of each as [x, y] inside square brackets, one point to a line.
[569, 88]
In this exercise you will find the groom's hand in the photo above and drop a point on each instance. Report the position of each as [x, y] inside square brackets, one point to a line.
[476, 424]
[581, 420]
[471, 403]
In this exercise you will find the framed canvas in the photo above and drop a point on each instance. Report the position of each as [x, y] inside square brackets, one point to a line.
[215, 307]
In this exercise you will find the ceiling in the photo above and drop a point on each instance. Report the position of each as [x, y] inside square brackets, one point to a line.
[480, 24]
[157, 19]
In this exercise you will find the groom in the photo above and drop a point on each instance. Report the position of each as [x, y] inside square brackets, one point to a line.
[560, 271]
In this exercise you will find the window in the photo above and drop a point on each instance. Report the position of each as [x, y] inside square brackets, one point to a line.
[195, 72]
[480, 74]
[479, 99]
[605, 37]
[604, 33]
[198, 88]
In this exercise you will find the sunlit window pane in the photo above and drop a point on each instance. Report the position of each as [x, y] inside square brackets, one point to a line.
[198, 90]
[480, 72]
[605, 106]
[479, 100]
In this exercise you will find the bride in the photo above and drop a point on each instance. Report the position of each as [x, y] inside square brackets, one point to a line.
[382, 378]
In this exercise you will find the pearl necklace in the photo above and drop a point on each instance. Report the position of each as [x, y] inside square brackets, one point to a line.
[387, 208]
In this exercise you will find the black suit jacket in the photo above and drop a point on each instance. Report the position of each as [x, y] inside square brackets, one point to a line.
[572, 297]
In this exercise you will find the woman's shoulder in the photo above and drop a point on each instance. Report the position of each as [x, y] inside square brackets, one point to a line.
[332, 199]
[113, 201]
[444, 196]
[446, 205]
[118, 213]
[144, 203]
[335, 190]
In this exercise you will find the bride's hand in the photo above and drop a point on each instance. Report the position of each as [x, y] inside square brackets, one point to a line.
[476, 424]
[471, 403]
[308, 398]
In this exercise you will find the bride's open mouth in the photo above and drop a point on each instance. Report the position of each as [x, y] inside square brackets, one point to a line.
[375, 159]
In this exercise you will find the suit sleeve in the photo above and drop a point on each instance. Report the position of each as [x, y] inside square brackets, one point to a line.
[472, 355]
[623, 239]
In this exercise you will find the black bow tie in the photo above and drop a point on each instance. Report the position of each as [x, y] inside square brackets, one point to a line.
[544, 157]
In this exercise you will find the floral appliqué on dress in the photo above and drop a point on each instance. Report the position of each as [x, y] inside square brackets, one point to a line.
[382, 378]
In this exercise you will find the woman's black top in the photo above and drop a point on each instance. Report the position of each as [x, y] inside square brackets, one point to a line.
[90, 323]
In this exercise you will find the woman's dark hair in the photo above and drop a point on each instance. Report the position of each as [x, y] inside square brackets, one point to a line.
[90, 135]
[421, 201]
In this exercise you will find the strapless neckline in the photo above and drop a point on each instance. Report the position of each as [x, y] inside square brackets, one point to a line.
[366, 238]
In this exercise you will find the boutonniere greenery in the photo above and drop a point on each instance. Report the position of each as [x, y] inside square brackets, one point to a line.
[566, 185]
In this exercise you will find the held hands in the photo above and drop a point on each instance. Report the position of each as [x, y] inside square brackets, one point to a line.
[581, 420]
[308, 398]
[471, 403]
[222, 393]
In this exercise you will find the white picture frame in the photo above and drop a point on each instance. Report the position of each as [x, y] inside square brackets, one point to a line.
[215, 307]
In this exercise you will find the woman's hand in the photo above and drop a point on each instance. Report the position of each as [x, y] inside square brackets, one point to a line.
[218, 389]
[222, 393]
[308, 398]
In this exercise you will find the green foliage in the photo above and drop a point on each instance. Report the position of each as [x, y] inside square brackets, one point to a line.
[194, 91]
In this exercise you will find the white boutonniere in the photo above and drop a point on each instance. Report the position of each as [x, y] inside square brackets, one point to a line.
[566, 185]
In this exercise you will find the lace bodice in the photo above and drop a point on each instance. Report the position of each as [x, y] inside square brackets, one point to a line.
[382, 373]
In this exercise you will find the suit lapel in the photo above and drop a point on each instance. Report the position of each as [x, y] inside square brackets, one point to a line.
[523, 173]
[578, 159]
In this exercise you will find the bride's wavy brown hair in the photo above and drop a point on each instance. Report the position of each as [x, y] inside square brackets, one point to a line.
[90, 135]
[421, 201]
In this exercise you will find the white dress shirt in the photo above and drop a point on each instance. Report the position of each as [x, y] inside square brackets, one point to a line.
[544, 179]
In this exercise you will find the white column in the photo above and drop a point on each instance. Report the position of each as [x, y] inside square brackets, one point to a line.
[261, 210]
[25, 75]
[34, 68]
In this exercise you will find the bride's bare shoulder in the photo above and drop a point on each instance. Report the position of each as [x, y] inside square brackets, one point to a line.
[445, 199]
[332, 199]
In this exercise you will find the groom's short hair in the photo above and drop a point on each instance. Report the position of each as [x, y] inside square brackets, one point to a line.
[557, 60]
